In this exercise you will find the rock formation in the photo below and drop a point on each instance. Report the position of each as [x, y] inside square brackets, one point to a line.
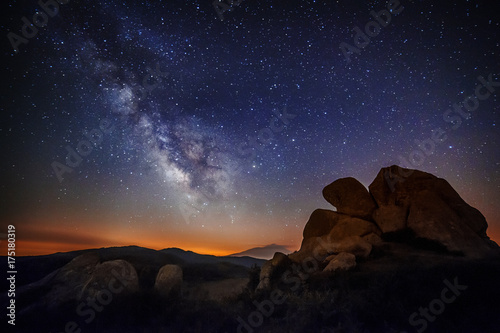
[401, 205]
[429, 207]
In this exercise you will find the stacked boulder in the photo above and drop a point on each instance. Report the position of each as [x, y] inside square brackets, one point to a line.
[340, 237]
[399, 200]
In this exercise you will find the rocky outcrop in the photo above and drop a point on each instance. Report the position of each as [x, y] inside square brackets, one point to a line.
[409, 207]
[169, 281]
[350, 197]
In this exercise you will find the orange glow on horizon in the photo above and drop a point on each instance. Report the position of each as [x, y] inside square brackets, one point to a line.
[43, 239]
[36, 248]
[29, 248]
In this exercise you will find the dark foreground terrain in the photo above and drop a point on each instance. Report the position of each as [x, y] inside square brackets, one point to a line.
[399, 289]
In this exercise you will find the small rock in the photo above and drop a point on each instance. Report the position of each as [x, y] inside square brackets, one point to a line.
[342, 262]
[272, 270]
[169, 281]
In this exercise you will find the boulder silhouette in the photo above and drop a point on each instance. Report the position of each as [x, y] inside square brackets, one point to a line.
[169, 281]
[350, 197]
[433, 219]
[429, 207]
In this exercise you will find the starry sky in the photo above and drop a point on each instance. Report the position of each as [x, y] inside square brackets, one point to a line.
[175, 123]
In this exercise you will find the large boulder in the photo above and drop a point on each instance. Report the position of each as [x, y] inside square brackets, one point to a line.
[431, 218]
[430, 207]
[350, 197]
[169, 281]
[85, 278]
[70, 280]
[272, 270]
[396, 186]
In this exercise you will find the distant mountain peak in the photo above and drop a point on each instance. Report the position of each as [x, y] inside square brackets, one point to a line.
[264, 252]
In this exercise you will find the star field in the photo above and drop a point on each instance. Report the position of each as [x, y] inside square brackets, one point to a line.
[214, 135]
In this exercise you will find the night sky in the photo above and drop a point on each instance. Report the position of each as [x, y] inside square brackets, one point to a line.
[156, 123]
